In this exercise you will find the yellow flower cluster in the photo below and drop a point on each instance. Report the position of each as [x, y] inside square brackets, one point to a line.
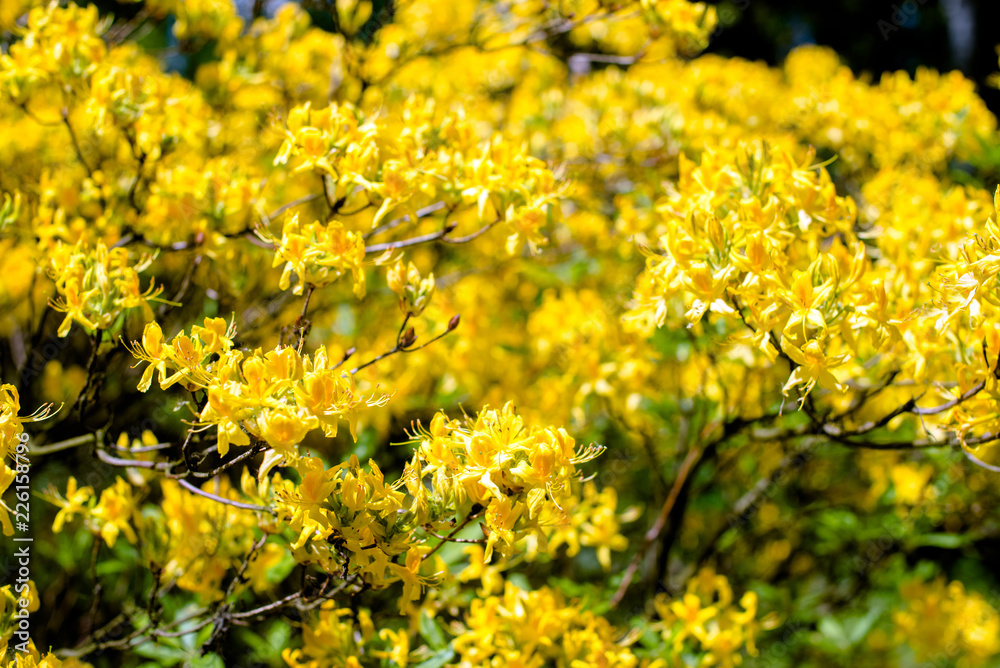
[705, 620]
[204, 19]
[319, 254]
[329, 639]
[749, 232]
[594, 522]
[61, 48]
[96, 285]
[535, 628]
[441, 137]
[275, 397]
[517, 478]
[12, 424]
[941, 619]
[516, 627]
[414, 292]
[519, 475]
[277, 59]
[653, 29]
[193, 539]
[348, 518]
[416, 158]
[969, 307]
[198, 540]
[115, 513]
[35, 659]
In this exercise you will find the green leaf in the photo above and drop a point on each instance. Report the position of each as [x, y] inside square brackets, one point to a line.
[859, 628]
[832, 629]
[431, 632]
[112, 566]
[269, 643]
[164, 654]
[948, 541]
[207, 661]
[439, 659]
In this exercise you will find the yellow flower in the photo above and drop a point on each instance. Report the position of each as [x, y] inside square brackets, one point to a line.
[813, 367]
[283, 428]
[910, 480]
[399, 641]
[73, 503]
[116, 512]
[692, 616]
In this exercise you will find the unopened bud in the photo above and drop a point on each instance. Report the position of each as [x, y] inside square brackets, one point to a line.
[408, 339]
[453, 323]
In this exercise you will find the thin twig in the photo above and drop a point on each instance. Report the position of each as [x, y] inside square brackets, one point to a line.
[448, 539]
[979, 462]
[403, 345]
[133, 463]
[229, 502]
[294, 203]
[255, 450]
[301, 324]
[62, 445]
[281, 602]
[451, 535]
[420, 213]
[76, 143]
[413, 241]
[81, 400]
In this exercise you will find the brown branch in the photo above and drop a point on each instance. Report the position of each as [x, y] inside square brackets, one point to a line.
[302, 325]
[97, 590]
[654, 531]
[918, 444]
[347, 355]
[81, 400]
[454, 540]
[979, 462]
[910, 406]
[246, 563]
[36, 118]
[451, 536]
[469, 237]
[281, 602]
[120, 33]
[948, 405]
[255, 450]
[404, 340]
[76, 143]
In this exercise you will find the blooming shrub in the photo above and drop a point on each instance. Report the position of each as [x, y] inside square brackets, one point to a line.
[489, 334]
